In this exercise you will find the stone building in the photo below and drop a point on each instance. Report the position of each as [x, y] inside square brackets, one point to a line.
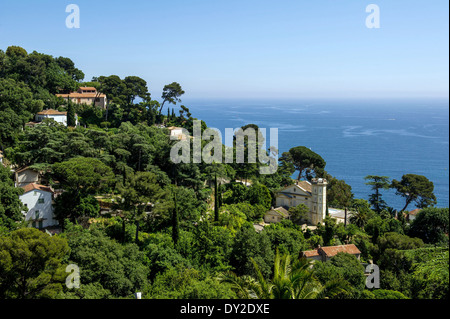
[312, 194]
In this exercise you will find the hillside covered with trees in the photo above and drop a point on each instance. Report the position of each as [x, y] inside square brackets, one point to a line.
[133, 221]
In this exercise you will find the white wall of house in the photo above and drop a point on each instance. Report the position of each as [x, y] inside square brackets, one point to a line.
[62, 119]
[319, 202]
[40, 209]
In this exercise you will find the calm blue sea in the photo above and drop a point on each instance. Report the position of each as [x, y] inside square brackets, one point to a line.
[356, 138]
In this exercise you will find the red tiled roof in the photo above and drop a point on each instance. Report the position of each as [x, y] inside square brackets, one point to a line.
[33, 186]
[310, 253]
[334, 250]
[81, 95]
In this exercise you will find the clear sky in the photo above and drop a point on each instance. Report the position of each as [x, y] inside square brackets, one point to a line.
[247, 48]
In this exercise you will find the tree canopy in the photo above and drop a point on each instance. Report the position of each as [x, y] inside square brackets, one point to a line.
[305, 161]
[415, 188]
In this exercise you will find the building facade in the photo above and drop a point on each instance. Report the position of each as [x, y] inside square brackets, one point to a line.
[86, 95]
[26, 176]
[38, 200]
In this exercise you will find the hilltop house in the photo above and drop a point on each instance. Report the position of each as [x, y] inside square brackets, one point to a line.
[38, 200]
[86, 95]
[325, 253]
[176, 133]
[313, 195]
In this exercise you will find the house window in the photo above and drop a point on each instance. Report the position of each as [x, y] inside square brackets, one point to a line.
[36, 214]
[35, 193]
[41, 200]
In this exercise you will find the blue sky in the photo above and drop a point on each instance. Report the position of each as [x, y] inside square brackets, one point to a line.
[247, 48]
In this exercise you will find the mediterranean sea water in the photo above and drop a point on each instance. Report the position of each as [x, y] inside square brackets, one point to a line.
[355, 137]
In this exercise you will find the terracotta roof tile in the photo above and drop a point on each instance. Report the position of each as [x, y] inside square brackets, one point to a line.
[334, 250]
[32, 186]
[81, 95]
[310, 253]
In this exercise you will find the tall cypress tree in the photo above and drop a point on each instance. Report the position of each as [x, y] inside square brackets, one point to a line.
[175, 225]
[70, 113]
[216, 199]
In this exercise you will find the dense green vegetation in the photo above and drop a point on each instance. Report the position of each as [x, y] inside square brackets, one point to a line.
[185, 230]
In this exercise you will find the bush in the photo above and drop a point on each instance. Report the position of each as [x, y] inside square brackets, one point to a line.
[184, 283]
[388, 294]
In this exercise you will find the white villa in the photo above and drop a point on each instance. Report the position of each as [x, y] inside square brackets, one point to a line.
[313, 195]
[59, 117]
[38, 199]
